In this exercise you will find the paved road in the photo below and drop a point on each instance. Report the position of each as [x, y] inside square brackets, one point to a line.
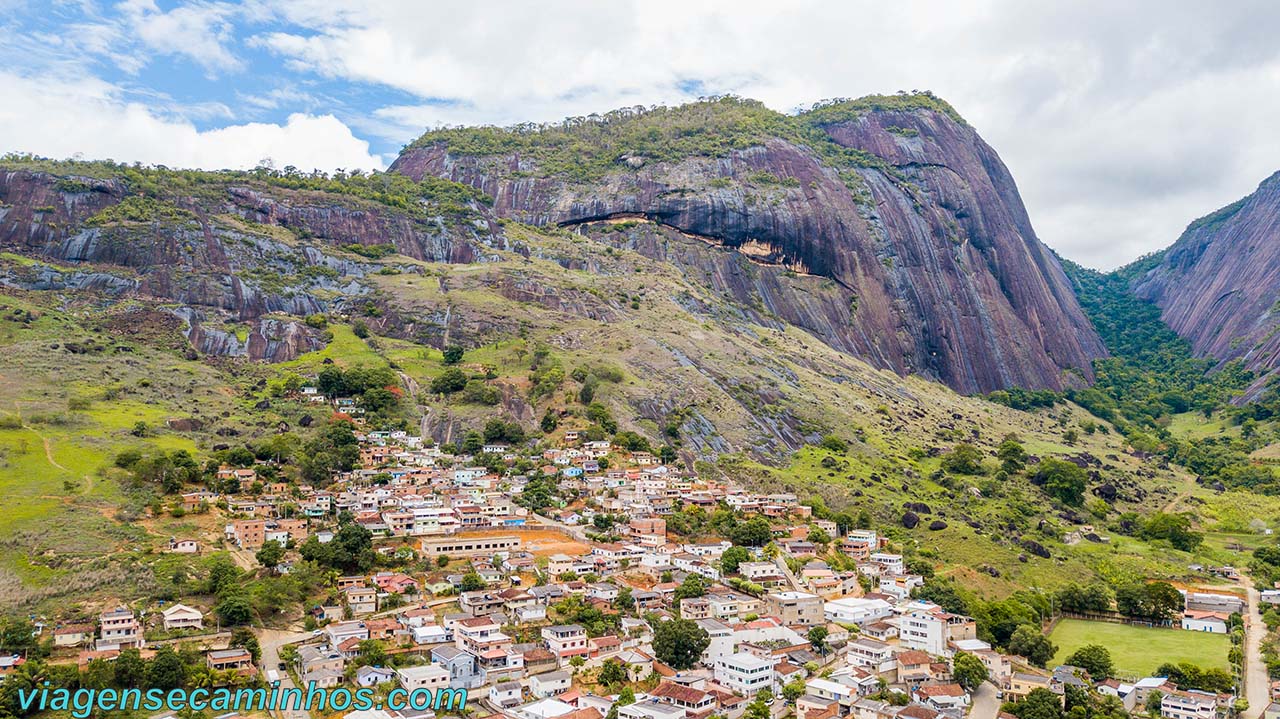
[985, 703]
[1256, 684]
[271, 640]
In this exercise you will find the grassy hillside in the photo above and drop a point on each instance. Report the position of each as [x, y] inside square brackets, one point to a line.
[735, 394]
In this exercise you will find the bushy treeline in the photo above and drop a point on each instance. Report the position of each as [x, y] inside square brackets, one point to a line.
[430, 196]
[587, 148]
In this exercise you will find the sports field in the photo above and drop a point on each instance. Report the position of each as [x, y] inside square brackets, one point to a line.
[1137, 651]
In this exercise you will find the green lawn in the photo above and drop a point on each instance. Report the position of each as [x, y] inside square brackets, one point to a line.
[1137, 651]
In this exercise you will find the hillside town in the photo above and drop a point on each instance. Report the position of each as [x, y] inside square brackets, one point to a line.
[589, 607]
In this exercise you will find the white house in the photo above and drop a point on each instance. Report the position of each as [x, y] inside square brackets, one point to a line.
[180, 616]
[744, 673]
[427, 676]
[549, 684]
[857, 610]
[924, 631]
[1197, 620]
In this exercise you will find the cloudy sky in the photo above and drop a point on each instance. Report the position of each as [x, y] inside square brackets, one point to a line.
[1121, 122]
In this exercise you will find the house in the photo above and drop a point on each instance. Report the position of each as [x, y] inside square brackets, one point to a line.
[505, 694]
[479, 635]
[830, 690]
[923, 631]
[373, 676]
[943, 697]
[237, 659]
[549, 684]
[745, 674]
[426, 676]
[248, 533]
[180, 616]
[340, 632]
[566, 640]
[119, 629]
[72, 635]
[361, 600]
[871, 654]
[1189, 705]
[1020, 685]
[1200, 620]
[809, 706]
[183, 546]
[857, 610]
[313, 660]
[464, 668]
[796, 608]
[695, 702]
[914, 668]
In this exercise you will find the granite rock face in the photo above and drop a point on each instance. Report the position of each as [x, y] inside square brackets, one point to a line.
[239, 253]
[1217, 285]
[935, 267]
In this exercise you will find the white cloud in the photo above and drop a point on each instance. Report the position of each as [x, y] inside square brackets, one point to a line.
[1153, 112]
[64, 118]
[198, 31]
[1120, 121]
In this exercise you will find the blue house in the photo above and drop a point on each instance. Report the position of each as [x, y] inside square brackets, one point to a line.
[464, 668]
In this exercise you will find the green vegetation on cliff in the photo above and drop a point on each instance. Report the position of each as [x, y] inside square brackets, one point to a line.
[587, 148]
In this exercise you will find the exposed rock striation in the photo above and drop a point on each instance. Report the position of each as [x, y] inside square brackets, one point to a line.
[224, 251]
[906, 211]
[1217, 286]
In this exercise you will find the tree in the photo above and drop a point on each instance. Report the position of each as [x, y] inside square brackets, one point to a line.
[234, 609]
[612, 673]
[754, 532]
[1095, 659]
[692, 586]
[732, 557]
[1038, 704]
[1153, 702]
[270, 555]
[964, 458]
[1175, 528]
[165, 670]
[793, 691]
[679, 643]
[98, 674]
[371, 653]
[1157, 601]
[453, 354]
[244, 637]
[818, 639]
[757, 710]
[969, 671]
[130, 668]
[1028, 641]
[17, 634]
[472, 581]
[1011, 455]
[1061, 480]
[449, 381]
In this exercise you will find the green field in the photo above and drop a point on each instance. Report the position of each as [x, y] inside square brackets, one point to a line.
[1137, 651]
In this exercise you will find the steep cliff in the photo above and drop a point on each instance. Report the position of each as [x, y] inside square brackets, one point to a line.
[227, 249]
[895, 200]
[1217, 285]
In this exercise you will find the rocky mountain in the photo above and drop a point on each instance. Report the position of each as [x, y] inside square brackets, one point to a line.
[240, 258]
[1216, 286]
[929, 263]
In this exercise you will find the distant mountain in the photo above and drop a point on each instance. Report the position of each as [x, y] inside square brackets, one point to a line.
[932, 266]
[1219, 284]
